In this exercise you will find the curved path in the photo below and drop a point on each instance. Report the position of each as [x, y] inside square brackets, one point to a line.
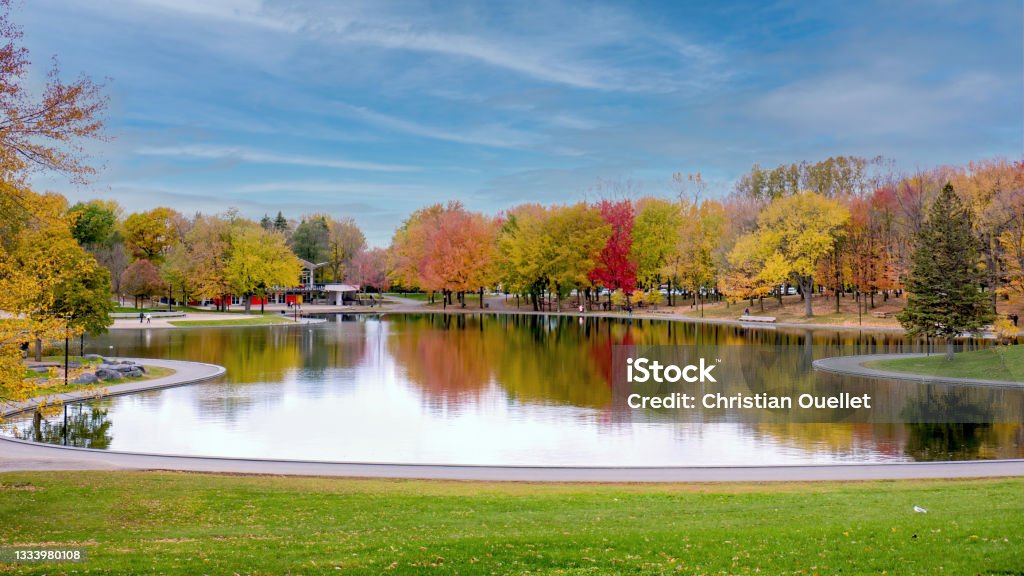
[23, 455]
[854, 366]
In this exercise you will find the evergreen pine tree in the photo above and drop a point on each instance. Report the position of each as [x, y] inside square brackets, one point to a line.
[267, 223]
[280, 223]
[944, 297]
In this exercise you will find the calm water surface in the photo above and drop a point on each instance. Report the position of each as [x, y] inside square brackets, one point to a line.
[504, 390]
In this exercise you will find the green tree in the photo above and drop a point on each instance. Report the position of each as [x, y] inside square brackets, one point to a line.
[94, 223]
[83, 299]
[944, 297]
[281, 223]
[311, 238]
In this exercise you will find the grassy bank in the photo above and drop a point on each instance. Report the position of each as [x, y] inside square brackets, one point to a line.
[57, 386]
[259, 321]
[158, 522]
[997, 363]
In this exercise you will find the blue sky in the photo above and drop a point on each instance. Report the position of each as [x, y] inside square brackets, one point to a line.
[373, 109]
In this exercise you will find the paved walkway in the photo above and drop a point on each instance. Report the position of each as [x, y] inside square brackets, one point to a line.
[854, 366]
[22, 455]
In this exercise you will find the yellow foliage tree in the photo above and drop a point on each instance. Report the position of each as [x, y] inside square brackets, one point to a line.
[793, 235]
[259, 260]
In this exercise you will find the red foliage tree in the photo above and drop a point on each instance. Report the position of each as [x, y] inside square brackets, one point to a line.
[614, 269]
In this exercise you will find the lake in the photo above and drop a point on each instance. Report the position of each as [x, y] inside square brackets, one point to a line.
[522, 390]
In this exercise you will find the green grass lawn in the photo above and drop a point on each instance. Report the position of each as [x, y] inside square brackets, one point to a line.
[260, 321]
[176, 523]
[996, 363]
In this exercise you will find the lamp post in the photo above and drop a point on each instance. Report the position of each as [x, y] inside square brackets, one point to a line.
[67, 330]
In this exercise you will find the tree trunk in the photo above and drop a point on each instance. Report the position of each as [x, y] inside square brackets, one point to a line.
[248, 303]
[39, 349]
[806, 285]
[481, 297]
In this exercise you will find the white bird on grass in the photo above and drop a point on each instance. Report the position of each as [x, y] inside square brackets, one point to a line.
[920, 510]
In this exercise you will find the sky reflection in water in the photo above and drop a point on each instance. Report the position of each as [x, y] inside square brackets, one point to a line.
[496, 390]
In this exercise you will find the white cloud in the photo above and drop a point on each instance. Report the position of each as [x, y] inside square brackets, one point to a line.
[541, 50]
[494, 135]
[860, 104]
[335, 187]
[256, 156]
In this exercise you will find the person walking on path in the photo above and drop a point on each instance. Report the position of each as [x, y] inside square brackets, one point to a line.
[141, 316]
[149, 318]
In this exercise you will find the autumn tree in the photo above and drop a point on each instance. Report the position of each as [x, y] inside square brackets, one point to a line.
[43, 132]
[142, 280]
[370, 269]
[574, 236]
[794, 233]
[205, 257]
[993, 190]
[550, 249]
[459, 252]
[409, 247]
[615, 270]
[522, 264]
[39, 132]
[258, 260]
[697, 240]
[150, 234]
[40, 261]
[344, 241]
[655, 245]
[944, 286]
[175, 271]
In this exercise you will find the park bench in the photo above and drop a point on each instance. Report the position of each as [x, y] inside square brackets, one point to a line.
[881, 314]
[748, 318]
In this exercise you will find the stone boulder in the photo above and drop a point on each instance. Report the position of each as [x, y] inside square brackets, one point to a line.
[117, 367]
[86, 378]
[95, 358]
[135, 374]
[107, 374]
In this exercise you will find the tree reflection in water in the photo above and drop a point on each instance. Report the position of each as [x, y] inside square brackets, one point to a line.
[87, 427]
[454, 362]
